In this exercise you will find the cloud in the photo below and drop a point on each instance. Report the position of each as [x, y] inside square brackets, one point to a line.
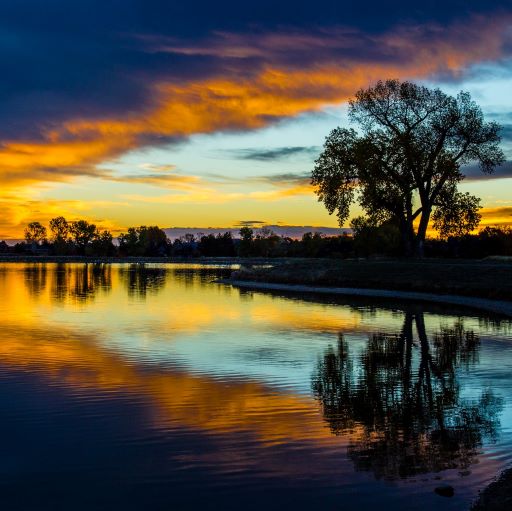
[250, 223]
[288, 192]
[277, 74]
[473, 172]
[286, 179]
[499, 216]
[174, 181]
[151, 167]
[271, 154]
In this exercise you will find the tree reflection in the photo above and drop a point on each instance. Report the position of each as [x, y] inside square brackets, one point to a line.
[79, 282]
[35, 278]
[400, 400]
[141, 279]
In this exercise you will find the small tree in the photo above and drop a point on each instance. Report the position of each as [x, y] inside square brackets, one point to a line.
[82, 233]
[143, 240]
[59, 228]
[152, 240]
[129, 242]
[246, 240]
[35, 233]
[407, 162]
[102, 244]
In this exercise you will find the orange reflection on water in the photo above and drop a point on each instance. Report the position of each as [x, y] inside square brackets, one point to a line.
[77, 361]
[39, 336]
[71, 326]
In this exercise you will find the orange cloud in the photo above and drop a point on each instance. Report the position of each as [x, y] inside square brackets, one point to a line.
[243, 99]
[278, 90]
[496, 216]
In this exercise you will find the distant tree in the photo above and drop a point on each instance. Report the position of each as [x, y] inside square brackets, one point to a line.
[129, 242]
[102, 244]
[188, 238]
[152, 240]
[35, 233]
[265, 243]
[495, 241]
[407, 162]
[59, 228]
[20, 248]
[143, 240]
[82, 233]
[185, 246]
[217, 246]
[246, 239]
[371, 238]
[312, 244]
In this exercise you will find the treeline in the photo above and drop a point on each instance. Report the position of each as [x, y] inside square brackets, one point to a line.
[385, 239]
[85, 239]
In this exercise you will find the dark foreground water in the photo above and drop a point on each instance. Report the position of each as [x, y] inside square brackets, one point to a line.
[151, 388]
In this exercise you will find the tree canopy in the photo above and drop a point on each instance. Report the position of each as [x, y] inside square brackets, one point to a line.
[35, 233]
[405, 163]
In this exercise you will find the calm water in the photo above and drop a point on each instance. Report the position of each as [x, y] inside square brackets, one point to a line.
[151, 388]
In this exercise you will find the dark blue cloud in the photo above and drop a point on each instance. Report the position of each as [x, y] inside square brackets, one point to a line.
[474, 173]
[62, 58]
[274, 153]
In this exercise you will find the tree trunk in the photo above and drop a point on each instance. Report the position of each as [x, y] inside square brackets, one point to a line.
[407, 234]
[419, 245]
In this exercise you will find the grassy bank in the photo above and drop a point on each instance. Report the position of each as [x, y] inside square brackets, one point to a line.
[483, 279]
[497, 496]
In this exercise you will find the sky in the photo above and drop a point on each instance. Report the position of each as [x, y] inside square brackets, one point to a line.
[211, 114]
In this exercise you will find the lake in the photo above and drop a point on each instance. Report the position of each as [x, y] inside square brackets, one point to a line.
[153, 388]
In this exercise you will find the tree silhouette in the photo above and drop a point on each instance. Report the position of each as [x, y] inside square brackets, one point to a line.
[406, 165]
[35, 233]
[59, 228]
[401, 400]
[143, 240]
[82, 233]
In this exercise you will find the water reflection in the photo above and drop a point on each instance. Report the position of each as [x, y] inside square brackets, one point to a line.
[80, 282]
[141, 279]
[165, 379]
[35, 277]
[403, 396]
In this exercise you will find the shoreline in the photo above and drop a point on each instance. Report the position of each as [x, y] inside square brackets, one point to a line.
[131, 260]
[501, 307]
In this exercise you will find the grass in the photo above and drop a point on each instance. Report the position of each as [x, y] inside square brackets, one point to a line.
[481, 278]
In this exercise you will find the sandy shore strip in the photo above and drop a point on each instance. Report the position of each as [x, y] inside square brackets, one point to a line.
[495, 306]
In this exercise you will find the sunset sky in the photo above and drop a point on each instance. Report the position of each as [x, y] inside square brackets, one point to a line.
[198, 114]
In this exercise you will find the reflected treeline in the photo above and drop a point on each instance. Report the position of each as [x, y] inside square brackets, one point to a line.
[79, 282]
[83, 281]
[141, 279]
[400, 400]
[202, 275]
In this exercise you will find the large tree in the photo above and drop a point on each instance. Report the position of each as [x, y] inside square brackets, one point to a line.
[407, 160]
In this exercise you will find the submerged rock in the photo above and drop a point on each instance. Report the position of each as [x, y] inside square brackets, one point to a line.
[445, 490]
